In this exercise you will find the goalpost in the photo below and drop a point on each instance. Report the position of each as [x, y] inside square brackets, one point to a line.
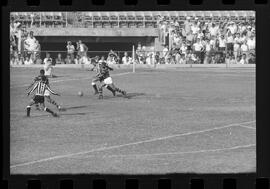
[133, 59]
[134, 62]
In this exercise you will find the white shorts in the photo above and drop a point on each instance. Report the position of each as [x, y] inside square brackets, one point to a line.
[108, 81]
[47, 92]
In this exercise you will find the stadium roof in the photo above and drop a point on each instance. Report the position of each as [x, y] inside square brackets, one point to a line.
[154, 13]
[177, 13]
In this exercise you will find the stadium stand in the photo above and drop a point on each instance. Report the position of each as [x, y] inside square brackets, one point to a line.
[190, 36]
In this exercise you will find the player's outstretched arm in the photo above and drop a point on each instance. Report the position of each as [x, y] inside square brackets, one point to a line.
[56, 94]
[29, 87]
[34, 88]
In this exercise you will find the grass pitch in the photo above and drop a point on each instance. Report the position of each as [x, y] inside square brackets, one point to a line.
[173, 120]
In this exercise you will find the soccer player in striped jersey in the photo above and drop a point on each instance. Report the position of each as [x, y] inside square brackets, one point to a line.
[38, 78]
[106, 81]
[38, 98]
[47, 93]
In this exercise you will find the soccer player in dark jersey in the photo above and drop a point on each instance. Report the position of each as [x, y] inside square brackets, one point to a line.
[38, 98]
[96, 68]
[106, 81]
[47, 93]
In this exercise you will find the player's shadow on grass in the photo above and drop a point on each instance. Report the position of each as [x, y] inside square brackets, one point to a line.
[132, 95]
[56, 76]
[78, 113]
[60, 114]
[76, 107]
[128, 96]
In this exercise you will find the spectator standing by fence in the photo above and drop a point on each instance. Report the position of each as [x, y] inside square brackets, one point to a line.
[82, 49]
[157, 58]
[244, 48]
[140, 54]
[183, 49]
[198, 49]
[232, 27]
[20, 60]
[229, 42]
[126, 59]
[251, 44]
[59, 59]
[236, 46]
[31, 45]
[12, 61]
[70, 50]
[214, 29]
[187, 25]
[68, 60]
[77, 59]
[150, 59]
[207, 52]
[19, 35]
[244, 59]
[177, 57]
[112, 57]
[28, 61]
[222, 47]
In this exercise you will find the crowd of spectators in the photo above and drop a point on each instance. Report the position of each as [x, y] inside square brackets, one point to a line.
[24, 48]
[204, 42]
[194, 40]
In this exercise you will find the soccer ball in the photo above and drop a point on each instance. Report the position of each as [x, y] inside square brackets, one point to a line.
[80, 93]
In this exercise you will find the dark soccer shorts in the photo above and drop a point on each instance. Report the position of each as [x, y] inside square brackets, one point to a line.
[38, 99]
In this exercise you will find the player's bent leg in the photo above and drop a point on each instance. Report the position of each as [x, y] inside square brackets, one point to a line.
[37, 106]
[120, 90]
[95, 80]
[28, 108]
[110, 88]
[50, 100]
[94, 85]
[109, 85]
[48, 110]
[100, 91]
[113, 86]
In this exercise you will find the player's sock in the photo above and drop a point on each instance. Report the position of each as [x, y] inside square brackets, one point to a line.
[100, 93]
[95, 88]
[50, 111]
[37, 106]
[120, 91]
[111, 89]
[28, 109]
[53, 102]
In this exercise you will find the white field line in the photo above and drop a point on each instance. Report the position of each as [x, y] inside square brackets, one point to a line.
[180, 153]
[73, 79]
[248, 127]
[124, 145]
